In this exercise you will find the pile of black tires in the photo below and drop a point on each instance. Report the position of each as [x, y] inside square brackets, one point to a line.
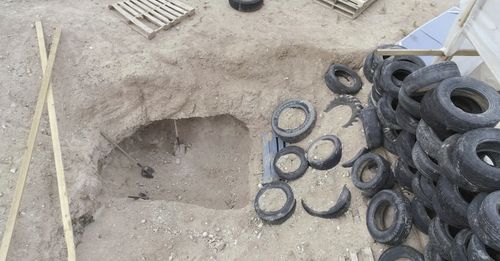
[441, 126]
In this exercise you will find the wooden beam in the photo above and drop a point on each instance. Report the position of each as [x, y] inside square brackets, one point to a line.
[54, 133]
[424, 52]
[25, 164]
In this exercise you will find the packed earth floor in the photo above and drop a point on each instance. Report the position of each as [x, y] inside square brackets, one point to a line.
[221, 72]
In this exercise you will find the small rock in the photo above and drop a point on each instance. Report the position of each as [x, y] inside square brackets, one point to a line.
[177, 161]
[1, 194]
[205, 234]
[143, 221]
[13, 170]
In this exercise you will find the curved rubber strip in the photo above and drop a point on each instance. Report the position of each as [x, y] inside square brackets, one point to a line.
[278, 216]
[350, 163]
[340, 207]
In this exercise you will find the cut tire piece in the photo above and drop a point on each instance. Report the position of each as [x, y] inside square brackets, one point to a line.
[399, 252]
[404, 174]
[459, 248]
[390, 139]
[431, 254]
[398, 231]
[461, 104]
[340, 207]
[300, 171]
[350, 163]
[350, 101]
[281, 215]
[246, 5]
[333, 77]
[382, 179]
[422, 216]
[331, 160]
[442, 237]
[393, 73]
[473, 215]
[480, 142]
[426, 166]
[371, 126]
[299, 133]
[428, 140]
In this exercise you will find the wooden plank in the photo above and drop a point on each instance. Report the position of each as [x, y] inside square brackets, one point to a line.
[176, 8]
[148, 13]
[170, 9]
[161, 7]
[367, 254]
[158, 13]
[182, 5]
[21, 180]
[130, 10]
[424, 52]
[354, 257]
[54, 132]
[157, 7]
[149, 33]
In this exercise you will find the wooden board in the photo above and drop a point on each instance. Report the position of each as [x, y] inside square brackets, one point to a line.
[150, 16]
[54, 133]
[349, 8]
[25, 164]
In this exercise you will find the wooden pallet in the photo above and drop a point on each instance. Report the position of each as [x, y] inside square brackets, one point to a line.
[349, 8]
[150, 16]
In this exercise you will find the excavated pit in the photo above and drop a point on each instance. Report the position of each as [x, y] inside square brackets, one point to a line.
[209, 170]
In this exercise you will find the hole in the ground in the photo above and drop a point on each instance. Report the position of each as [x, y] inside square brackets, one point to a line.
[469, 101]
[288, 163]
[272, 200]
[321, 150]
[291, 118]
[211, 170]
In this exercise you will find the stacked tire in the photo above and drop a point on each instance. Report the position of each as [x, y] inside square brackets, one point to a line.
[441, 127]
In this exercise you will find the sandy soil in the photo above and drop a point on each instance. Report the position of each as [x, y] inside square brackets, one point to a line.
[218, 62]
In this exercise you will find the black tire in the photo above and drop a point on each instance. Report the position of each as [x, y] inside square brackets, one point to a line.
[371, 126]
[341, 206]
[473, 215]
[383, 178]
[442, 237]
[489, 220]
[392, 75]
[376, 94]
[477, 251]
[331, 160]
[299, 133]
[246, 5]
[299, 172]
[424, 190]
[404, 147]
[450, 203]
[395, 253]
[422, 216]
[386, 112]
[426, 165]
[461, 104]
[447, 162]
[390, 140]
[333, 82]
[431, 254]
[406, 121]
[397, 232]
[423, 80]
[459, 247]
[480, 142]
[350, 163]
[428, 140]
[404, 174]
[281, 215]
[372, 61]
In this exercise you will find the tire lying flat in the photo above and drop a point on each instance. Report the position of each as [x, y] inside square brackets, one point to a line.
[246, 5]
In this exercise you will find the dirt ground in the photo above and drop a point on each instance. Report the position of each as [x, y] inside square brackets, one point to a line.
[219, 62]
